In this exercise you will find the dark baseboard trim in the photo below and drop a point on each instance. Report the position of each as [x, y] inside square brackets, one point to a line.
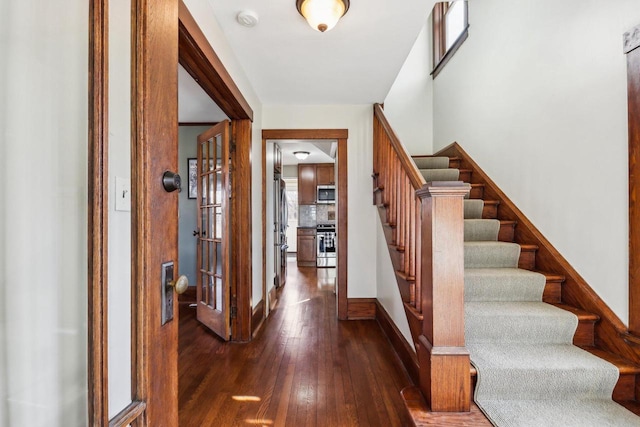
[399, 343]
[258, 317]
[361, 308]
[189, 296]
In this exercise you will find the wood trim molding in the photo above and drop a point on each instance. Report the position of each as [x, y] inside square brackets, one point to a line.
[399, 343]
[632, 39]
[154, 127]
[128, 415]
[305, 134]
[361, 308]
[258, 317]
[98, 174]
[200, 60]
[342, 136]
[241, 224]
[342, 229]
[633, 108]
[210, 124]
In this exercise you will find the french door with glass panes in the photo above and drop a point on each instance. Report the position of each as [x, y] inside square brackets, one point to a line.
[213, 195]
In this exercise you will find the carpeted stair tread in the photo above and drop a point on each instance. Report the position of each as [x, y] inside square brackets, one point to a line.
[431, 162]
[473, 208]
[540, 371]
[432, 175]
[525, 322]
[479, 230]
[625, 367]
[491, 255]
[503, 284]
[560, 413]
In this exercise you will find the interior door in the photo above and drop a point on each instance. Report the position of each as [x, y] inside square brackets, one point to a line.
[213, 284]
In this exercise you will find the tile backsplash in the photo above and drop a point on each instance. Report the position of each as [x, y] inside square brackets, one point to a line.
[307, 216]
[326, 213]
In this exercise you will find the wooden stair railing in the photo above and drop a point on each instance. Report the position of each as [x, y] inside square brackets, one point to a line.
[424, 229]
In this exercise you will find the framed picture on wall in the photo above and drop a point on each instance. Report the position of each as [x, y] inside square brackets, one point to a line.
[193, 178]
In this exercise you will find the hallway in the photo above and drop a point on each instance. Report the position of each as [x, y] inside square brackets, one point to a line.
[304, 368]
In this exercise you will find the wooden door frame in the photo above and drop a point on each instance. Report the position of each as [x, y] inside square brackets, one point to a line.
[158, 28]
[341, 135]
[632, 51]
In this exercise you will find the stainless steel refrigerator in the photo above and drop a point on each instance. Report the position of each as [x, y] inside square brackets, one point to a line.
[281, 218]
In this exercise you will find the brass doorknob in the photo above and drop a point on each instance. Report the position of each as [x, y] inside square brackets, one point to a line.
[180, 285]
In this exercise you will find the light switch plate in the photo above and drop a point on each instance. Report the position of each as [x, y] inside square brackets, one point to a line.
[123, 194]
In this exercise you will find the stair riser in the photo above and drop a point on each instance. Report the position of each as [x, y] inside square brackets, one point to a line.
[506, 232]
[552, 292]
[585, 333]
[465, 176]
[477, 191]
[625, 388]
[527, 259]
[490, 211]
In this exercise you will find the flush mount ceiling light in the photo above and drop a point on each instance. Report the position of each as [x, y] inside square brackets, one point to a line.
[322, 15]
[301, 155]
[247, 18]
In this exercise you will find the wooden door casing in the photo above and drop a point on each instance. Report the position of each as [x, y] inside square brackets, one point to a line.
[154, 211]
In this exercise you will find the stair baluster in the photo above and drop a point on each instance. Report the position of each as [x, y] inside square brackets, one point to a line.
[421, 222]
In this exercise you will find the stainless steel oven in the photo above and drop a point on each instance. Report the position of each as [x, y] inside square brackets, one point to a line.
[326, 240]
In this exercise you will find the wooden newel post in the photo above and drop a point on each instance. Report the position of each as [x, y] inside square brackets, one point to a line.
[444, 360]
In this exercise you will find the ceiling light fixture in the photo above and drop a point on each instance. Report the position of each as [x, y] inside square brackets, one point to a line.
[322, 15]
[247, 18]
[301, 155]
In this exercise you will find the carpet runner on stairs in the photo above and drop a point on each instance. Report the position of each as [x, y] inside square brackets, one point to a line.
[528, 371]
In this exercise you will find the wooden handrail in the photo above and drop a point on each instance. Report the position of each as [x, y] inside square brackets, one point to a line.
[424, 231]
[416, 178]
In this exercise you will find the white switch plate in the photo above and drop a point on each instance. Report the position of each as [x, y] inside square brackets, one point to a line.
[123, 194]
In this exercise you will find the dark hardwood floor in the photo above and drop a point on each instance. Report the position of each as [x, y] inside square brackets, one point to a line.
[304, 367]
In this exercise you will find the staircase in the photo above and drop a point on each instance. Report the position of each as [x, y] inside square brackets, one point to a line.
[505, 301]
[510, 268]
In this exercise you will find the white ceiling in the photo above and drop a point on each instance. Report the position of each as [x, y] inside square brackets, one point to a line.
[320, 151]
[287, 62]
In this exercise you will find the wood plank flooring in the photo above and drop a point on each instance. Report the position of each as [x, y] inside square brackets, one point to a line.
[304, 367]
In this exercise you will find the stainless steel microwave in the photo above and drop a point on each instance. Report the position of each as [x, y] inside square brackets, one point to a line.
[326, 194]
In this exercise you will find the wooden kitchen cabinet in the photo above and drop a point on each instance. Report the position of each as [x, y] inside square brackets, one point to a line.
[306, 255]
[325, 174]
[306, 184]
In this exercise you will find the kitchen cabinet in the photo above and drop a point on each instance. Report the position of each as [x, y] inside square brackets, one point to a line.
[306, 250]
[325, 174]
[306, 184]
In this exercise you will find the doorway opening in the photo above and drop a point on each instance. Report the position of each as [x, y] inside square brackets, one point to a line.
[316, 220]
[302, 206]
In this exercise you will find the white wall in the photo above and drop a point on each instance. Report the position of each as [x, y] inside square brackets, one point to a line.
[357, 119]
[188, 208]
[43, 214]
[409, 104]
[203, 14]
[387, 288]
[409, 109]
[119, 270]
[537, 96]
